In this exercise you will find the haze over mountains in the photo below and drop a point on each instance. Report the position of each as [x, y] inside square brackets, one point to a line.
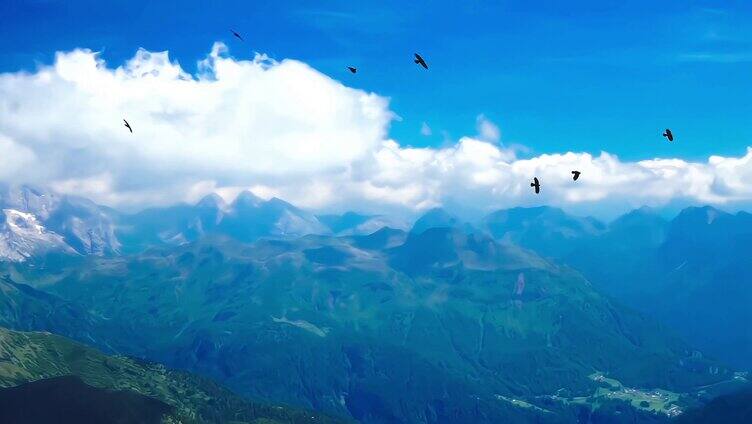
[332, 312]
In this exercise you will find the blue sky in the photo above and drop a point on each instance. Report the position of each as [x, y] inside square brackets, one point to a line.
[564, 81]
[584, 76]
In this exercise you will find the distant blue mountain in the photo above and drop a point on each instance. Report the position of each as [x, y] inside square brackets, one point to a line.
[690, 272]
[440, 218]
[247, 219]
[549, 231]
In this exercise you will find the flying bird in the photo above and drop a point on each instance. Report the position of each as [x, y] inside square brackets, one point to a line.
[535, 184]
[237, 35]
[353, 70]
[669, 135]
[127, 125]
[576, 175]
[419, 60]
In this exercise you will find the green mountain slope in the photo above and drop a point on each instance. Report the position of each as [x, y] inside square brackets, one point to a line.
[446, 327]
[26, 357]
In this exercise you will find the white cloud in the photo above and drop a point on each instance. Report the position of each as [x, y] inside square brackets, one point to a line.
[487, 130]
[425, 130]
[284, 129]
[235, 122]
[738, 57]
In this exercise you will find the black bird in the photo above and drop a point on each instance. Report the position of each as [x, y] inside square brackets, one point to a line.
[576, 175]
[353, 70]
[237, 35]
[668, 135]
[127, 125]
[419, 60]
[535, 184]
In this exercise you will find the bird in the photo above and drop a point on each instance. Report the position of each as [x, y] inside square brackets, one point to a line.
[576, 175]
[419, 60]
[669, 135]
[535, 184]
[127, 125]
[353, 70]
[237, 35]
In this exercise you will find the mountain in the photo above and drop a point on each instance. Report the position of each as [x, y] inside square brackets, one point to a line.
[382, 239]
[435, 218]
[642, 228]
[626, 247]
[37, 221]
[690, 272]
[351, 223]
[439, 326]
[25, 308]
[440, 218]
[729, 408]
[339, 224]
[498, 322]
[439, 248]
[247, 219]
[64, 377]
[251, 218]
[67, 399]
[171, 225]
[703, 284]
[22, 236]
[546, 230]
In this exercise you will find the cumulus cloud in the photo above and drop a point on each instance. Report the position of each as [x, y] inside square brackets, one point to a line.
[233, 123]
[284, 129]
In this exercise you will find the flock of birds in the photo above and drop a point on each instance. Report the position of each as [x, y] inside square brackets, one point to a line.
[420, 61]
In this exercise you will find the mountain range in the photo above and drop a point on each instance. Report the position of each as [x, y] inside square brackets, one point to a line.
[529, 314]
[690, 272]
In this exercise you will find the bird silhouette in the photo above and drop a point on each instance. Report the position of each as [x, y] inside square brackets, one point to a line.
[536, 185]
[353, 70]
[419, 60]
[576, 175]
[127, 125]
[237, 35]
[669, 135]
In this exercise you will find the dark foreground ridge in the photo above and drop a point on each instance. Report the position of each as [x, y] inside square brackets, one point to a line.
[67, 399]
[731, 408]
[46, 378]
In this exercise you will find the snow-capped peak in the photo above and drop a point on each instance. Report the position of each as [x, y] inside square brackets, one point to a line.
[21, 236]
[18, 221]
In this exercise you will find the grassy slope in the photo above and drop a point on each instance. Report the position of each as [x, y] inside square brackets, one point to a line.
[27, 357]
[319, 323]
